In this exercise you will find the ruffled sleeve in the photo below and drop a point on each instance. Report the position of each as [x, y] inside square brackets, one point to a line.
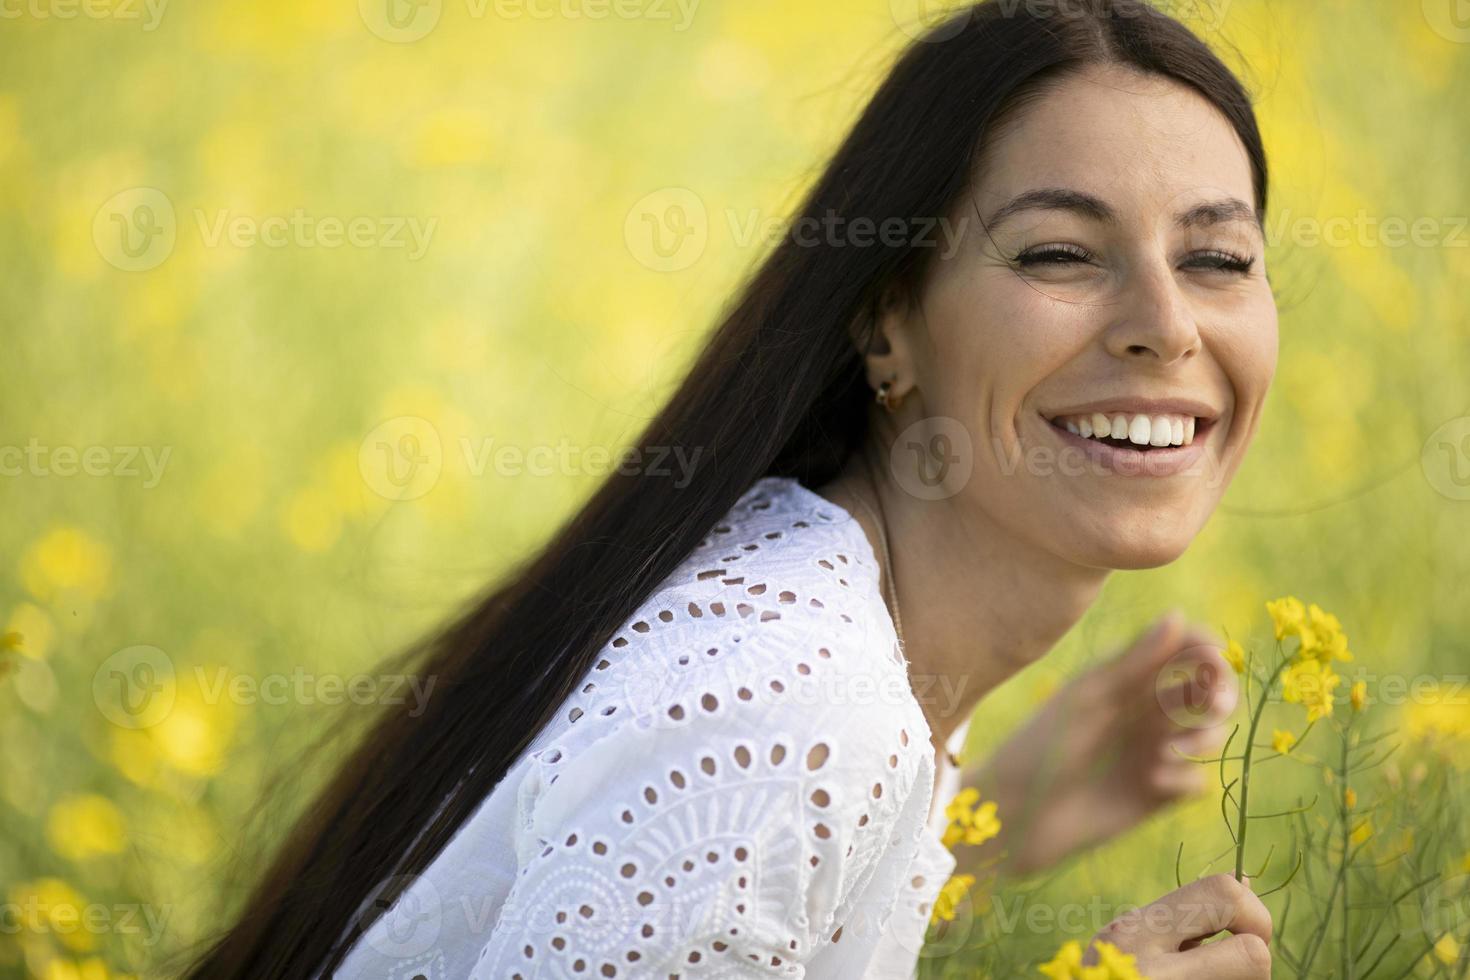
[727, 834]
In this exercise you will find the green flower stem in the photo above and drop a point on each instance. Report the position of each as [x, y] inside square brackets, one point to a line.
[1245, 769]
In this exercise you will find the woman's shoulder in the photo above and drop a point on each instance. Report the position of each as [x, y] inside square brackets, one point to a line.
[772, 631]
[776, 614]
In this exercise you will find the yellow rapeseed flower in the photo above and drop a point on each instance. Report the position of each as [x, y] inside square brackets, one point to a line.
[1319, 632]
[1358, 694]
[29, 631]
[1113, 964]
[1282, 740]
[1447, 950]
[1322, 637]
[969, 824]
[1310, 683]
[1361, 832]
[1350, 798]
[1288, 615]
[66, 558]
[950, 896]
[92, 968]
[1235, 656]
[85, 825]
[1066, 964]
[50, 905]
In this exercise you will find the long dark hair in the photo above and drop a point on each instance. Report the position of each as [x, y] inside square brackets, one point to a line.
[779, 389]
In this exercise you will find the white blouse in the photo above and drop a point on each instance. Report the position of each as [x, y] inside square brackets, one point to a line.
[742, 786]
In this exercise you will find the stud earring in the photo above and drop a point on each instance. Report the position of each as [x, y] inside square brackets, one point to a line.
[886, 398]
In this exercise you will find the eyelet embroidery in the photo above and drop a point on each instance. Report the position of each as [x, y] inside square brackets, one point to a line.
[726, 796]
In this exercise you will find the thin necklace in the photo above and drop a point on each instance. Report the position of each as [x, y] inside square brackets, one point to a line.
[892, 597]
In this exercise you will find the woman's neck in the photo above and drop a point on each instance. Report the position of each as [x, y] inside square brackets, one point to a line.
[977, 603]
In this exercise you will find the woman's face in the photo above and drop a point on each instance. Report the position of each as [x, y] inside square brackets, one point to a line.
[1109, 278]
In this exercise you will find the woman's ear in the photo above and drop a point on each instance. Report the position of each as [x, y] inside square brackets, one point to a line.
[889, 355]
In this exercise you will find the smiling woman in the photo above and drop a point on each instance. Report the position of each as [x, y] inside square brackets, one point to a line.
[648, 753]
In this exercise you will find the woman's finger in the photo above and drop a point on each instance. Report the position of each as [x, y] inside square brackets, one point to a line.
[1191, 913]
[1171, 781]
[1243, 957]
[1195, 690]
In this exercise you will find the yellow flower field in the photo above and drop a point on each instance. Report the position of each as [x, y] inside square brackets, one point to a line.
[316, 321]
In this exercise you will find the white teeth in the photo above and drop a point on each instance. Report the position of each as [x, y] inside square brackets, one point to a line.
[1141, 430]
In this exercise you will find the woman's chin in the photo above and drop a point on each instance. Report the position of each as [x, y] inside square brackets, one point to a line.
[1127, 548]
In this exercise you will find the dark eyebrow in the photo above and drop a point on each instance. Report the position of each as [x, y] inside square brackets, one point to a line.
[1087, 206]
[1053, 199]
[1217, 212]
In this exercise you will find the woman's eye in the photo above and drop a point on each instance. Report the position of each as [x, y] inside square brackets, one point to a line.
[1223, 261]
[1052, 255]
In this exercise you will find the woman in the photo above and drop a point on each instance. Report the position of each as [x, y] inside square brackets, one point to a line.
[703, 733]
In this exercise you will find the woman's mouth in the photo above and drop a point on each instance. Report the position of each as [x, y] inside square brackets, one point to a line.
[1134, 443]
[1134, 430]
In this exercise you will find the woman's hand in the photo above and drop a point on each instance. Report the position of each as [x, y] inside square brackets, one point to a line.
[1167, 936]
[1104, 752]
